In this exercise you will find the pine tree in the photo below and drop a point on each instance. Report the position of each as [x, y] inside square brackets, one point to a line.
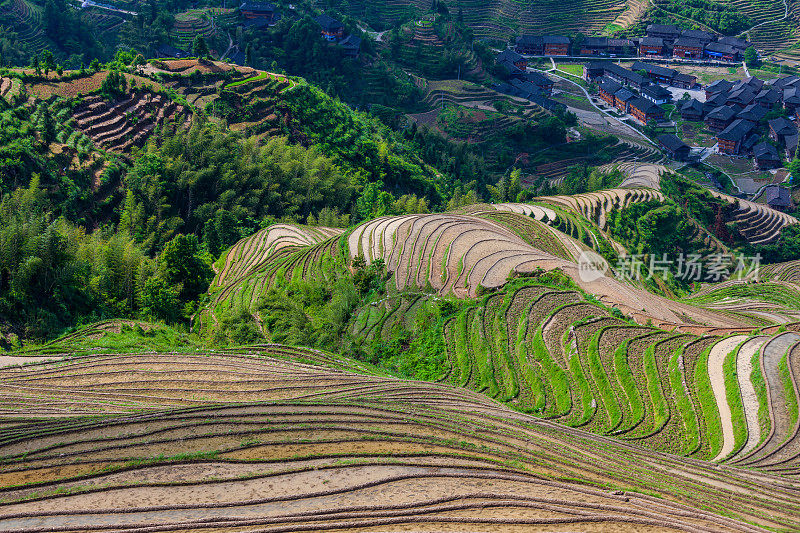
[248, 55]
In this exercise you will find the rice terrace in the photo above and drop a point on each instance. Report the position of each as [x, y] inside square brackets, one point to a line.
[399, 266]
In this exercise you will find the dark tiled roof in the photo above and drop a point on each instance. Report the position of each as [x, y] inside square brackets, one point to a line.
[693, 105]
[723, 113]
[645, 106]
[555, 39]
[351, 42]
[688, 42]
[765, 151]
[719, 86]
[782, 126]
[753, 112]
[538, 79]
[672, 142]
[657, 92]
[651, 41]
[736, 131]
[663, 28]
[166, 50]
[509, 55]
[700, 35]
[328, 23]
[777, 195]
[791, 95]
[529, 40]
[721, 48]
[608, 85]
[734, 42]
[655, 70]
[596, 42]
[624, 95]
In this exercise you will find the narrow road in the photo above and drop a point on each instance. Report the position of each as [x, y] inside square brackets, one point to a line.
[746, 70]
[230, 45]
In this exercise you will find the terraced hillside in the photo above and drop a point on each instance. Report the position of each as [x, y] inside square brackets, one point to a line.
[256, 439]
[127, 122]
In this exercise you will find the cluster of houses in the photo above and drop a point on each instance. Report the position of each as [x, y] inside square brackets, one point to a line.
[636, 91]
[736, 111]
[521, 83]
[660, 41]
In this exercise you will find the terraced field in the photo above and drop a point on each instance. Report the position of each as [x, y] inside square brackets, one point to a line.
[127, 122]
[259, 441]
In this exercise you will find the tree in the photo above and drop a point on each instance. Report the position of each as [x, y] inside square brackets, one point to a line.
[159, 300]
[248, 55]
[199, 47]
[181, 264]
[751, 57]
[48, 61]
[794, 168]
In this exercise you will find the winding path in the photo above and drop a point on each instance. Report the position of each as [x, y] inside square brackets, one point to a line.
[589, 98]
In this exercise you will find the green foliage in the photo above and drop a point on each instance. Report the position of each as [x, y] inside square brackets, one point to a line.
[54, 275]
[199, 47]
[114, 85]
[751, 57]
[181, 265]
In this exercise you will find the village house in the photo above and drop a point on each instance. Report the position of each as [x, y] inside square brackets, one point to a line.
[791, 99]
[741, 97]
[667, 32]
[645, 111]
[720, 118]
[765, 156]
[606, 88]
[620, 47]
[735, 43]
[754, 113]
[540, 80]
[703, 36]
[688, 48]
[675, 147]
[332, 29]
[513, 58]
[655, 72]
[780, 128]
[692, 110]
[623, 99]
[254, 11]
[717, 87]
[791, 145]
[651, 47]
[530, 45]
[556, 45]
[767, 98]
[166, 50]
[778, 197]
[684, 81]
[731, 138]
[656, 94]
[594, 46]
[722, 52]
[351, 45]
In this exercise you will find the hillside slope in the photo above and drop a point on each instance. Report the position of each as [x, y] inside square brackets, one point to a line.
[255, 439]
